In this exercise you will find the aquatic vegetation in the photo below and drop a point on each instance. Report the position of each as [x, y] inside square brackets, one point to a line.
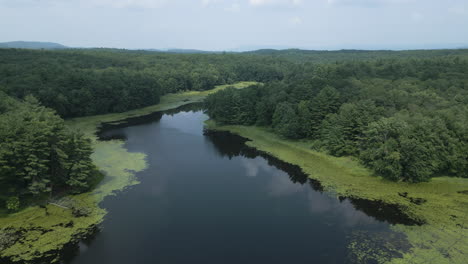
[440, 204]
[43, 232]
[40, 233]
[380, 247]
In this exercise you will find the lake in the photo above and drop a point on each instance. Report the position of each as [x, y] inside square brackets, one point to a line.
[208, 198]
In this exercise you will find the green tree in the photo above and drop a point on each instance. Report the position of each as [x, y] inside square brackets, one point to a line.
[38, 155]
[77, 165]
[406, 148]
[342, 133]
[326, 102]
[286, 121]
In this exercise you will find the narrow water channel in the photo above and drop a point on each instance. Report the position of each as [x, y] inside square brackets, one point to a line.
[210, 199]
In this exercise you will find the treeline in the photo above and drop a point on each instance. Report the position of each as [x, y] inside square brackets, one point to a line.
[323, 56]
[96, 81]
[406, 119]
[403, 116]
[88, 82]
[39, 155]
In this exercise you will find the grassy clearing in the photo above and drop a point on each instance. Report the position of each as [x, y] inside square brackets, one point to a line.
[38, 233]
[444, 237]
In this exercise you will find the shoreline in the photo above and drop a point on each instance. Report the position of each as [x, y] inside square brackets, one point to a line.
[297, 173]
[38, 235]
[440, 204]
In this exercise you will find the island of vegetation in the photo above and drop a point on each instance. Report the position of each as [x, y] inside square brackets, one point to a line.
[377, 125]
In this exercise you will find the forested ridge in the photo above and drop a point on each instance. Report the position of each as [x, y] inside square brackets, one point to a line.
[88, 82]
[403, 114]
[39, 156]
[406, 119]
[78, 82]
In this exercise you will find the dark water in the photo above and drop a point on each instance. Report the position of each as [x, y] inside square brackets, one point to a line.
[209, 199]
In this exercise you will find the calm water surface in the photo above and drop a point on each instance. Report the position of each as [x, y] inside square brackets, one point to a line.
[209, 199]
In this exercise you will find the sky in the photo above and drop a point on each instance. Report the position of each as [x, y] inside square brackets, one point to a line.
[238, 24]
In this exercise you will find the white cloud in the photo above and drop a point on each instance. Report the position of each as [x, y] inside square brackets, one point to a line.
[295, 21]
[458, 10]
[129, 3]
[92, 3]
[274, 2]
[417, 16]
[234, 8]
[367, 2]
[211, 2]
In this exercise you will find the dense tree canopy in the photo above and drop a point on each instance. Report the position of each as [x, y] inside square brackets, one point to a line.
[404, 118]
[95, 81]
[38, 155]
[403, 114]
[87, 82]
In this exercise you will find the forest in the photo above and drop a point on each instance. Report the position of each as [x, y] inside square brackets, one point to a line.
[86, 82]
[405, 119]
[402, 114]
[89, 82]
[39, 156]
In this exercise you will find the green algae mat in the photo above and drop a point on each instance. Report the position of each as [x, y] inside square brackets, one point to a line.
[40, 233]
[441, 204]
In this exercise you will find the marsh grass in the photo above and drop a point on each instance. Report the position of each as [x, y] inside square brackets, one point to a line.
[44, 231]
[443, 207]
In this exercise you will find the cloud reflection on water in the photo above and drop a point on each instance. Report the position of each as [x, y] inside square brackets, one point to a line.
[317, 203]
[324, 204]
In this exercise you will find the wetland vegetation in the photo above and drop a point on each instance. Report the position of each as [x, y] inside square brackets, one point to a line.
[39, 233]
[224, 192]
[385, 133]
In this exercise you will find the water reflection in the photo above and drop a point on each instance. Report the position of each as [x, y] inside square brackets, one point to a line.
[230, 145]
[279, 184]
[109, 131]
[344, 209]
[209, 198]
[253, 166]
[283, 175]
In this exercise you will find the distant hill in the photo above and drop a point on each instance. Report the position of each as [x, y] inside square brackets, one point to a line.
[32, 45]
[192, 51]
[184, 51]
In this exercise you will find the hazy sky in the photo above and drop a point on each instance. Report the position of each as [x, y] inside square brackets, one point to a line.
[238, 24]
